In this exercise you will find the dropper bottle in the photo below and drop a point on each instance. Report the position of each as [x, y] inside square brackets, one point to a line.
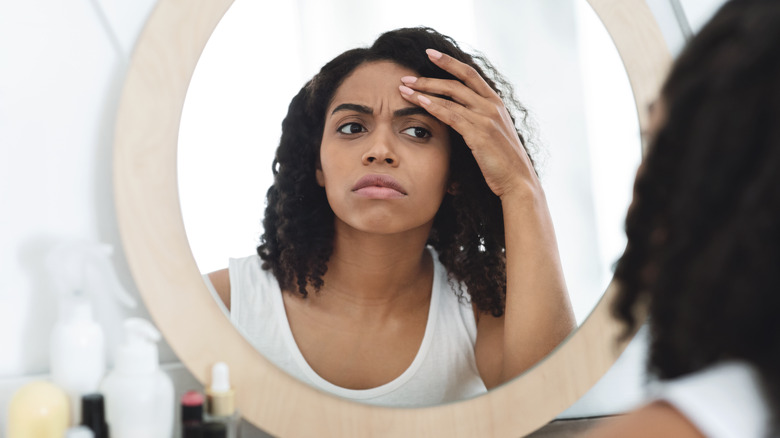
[220, 400]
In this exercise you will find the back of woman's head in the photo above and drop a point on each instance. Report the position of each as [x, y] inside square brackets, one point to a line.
[704, 228]
[468, 230]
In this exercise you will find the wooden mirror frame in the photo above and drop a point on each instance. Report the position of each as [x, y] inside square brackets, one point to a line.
[158, 252]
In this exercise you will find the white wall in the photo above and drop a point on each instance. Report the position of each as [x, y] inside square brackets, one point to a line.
[60, 80]
[61, 71]
[62, 65]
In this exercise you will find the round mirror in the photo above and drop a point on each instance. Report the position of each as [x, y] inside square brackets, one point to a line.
[586, 133]
[166, 271]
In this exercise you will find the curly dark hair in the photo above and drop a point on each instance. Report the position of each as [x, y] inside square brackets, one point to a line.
[468, 229]
[703, 230]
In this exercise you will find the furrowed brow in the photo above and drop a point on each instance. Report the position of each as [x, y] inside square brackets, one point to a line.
[352, 107]
[411, 111]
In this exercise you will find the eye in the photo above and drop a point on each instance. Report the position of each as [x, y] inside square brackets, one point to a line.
[351, 128]
[417, 132]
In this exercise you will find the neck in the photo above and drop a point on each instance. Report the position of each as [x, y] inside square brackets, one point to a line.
[374, 271]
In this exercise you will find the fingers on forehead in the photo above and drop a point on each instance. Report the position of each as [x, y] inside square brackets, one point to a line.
[468, 74]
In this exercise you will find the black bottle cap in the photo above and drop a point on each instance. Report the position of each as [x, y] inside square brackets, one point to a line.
[214, 429]
[93, 414]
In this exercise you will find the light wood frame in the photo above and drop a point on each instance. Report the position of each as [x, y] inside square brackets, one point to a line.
[167, 276]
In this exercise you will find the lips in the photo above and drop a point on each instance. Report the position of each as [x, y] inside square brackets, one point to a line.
[379, 186]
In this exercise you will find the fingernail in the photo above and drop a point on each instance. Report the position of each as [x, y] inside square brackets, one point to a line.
[424, 100]
[435, 54]
[408, 79]
[406, 90]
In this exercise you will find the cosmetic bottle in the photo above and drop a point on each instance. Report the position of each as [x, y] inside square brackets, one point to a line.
[80, 270]
[93, 415]
[220, 400]
[139, 396]
[38, 410]
[192, 414]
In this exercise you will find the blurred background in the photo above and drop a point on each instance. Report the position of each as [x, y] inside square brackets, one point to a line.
[62, 66]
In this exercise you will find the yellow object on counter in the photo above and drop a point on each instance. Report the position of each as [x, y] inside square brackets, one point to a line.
[38, 410]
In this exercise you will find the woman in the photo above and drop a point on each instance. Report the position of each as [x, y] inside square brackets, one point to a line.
[402, 193]
[703, 231]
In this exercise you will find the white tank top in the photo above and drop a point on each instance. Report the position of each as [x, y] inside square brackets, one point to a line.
[443, 370]
[722, 401]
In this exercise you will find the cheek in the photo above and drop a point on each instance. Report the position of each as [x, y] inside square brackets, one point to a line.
[331, 165]
[437, 169]
[443, 163]
[324, 164]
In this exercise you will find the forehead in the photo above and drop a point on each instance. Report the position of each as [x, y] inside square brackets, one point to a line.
[373, 84]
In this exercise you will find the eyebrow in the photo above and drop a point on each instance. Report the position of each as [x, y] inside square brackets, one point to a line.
[403, 112]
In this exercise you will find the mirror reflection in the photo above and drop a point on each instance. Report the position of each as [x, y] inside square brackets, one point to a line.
[388, 214]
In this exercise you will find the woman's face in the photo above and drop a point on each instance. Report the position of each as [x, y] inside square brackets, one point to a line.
[384, 162]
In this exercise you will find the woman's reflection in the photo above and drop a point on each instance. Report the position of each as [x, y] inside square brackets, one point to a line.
[408, 231]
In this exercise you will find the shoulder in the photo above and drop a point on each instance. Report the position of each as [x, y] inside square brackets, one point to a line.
[221, 282]
[657, 419]
[245, 270]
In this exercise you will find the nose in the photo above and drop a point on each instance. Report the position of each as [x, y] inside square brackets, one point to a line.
[381, 150]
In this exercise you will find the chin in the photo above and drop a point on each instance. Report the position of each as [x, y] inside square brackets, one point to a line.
[384, 224]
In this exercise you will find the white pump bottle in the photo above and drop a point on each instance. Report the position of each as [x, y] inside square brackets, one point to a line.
[139, 396]
[80, 269]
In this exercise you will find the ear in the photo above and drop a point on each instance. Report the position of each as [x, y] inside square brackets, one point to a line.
[453, 188]
[319, 175]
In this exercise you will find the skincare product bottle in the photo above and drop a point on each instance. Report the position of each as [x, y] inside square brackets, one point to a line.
[192, 414]
[191, 407]
[93, 415]
[220, 400]
[80, 270]
[38, 410]
[139, 396]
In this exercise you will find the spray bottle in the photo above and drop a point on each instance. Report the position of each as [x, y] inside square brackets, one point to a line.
[80, 270]
[139, 395]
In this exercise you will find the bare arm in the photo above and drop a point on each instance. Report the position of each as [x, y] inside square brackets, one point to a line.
[221, 282]
[538, 313]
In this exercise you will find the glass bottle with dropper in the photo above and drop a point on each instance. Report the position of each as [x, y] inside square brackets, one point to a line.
[220, 400]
